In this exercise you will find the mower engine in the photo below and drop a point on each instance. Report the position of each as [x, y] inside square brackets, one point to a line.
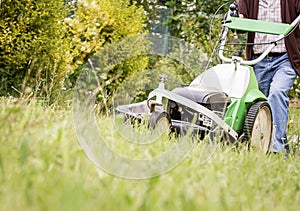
[184, 118]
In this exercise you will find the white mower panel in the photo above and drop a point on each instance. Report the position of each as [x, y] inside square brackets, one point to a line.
[232, 79]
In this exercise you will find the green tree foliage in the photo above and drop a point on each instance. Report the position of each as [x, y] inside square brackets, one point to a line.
[100, 23]
[42, 44]
[197, 21]
[153, 10]
[161, 15]
[194, 21]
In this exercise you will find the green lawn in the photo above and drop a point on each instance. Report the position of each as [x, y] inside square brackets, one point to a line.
[42, 167]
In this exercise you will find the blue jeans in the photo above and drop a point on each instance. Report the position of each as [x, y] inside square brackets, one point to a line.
[275, 78]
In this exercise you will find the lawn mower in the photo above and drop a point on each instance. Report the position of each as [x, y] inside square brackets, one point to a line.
[223, 98]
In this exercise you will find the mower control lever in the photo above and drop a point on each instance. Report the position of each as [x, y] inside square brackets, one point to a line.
[234, 12]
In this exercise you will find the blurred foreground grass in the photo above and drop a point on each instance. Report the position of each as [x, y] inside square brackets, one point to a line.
[43, 168]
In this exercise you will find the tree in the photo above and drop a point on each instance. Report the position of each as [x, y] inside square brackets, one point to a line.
[196, 21]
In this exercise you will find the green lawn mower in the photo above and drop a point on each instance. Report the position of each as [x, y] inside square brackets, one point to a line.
[224, 98]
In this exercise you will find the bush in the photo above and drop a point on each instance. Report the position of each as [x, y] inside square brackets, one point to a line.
[41, 44]
[32, 48]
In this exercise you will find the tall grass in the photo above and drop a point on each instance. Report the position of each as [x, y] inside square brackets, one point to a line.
[42, 167]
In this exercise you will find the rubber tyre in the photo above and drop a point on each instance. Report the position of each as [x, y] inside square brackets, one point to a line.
[160, 120]
[258, 126]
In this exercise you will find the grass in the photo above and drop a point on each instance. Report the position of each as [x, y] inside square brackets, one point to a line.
[42, 167]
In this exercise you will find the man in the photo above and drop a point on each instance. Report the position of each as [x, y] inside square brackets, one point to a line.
[276, 73]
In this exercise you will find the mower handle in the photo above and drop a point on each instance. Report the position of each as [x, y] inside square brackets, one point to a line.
[226, 27]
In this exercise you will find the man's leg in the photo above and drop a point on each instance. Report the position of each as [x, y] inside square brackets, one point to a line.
[264, 75]
[282, 82]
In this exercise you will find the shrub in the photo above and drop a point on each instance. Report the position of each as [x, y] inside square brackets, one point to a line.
[41, 44]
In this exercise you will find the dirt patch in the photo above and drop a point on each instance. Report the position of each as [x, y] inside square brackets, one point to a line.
[295, 103]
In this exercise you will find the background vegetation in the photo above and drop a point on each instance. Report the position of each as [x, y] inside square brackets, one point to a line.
[45, 43]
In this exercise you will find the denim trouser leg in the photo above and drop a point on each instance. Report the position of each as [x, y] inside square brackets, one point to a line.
[275, 77]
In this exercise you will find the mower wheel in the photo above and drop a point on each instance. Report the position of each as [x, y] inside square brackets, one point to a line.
[160, 121]
[258, 126]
